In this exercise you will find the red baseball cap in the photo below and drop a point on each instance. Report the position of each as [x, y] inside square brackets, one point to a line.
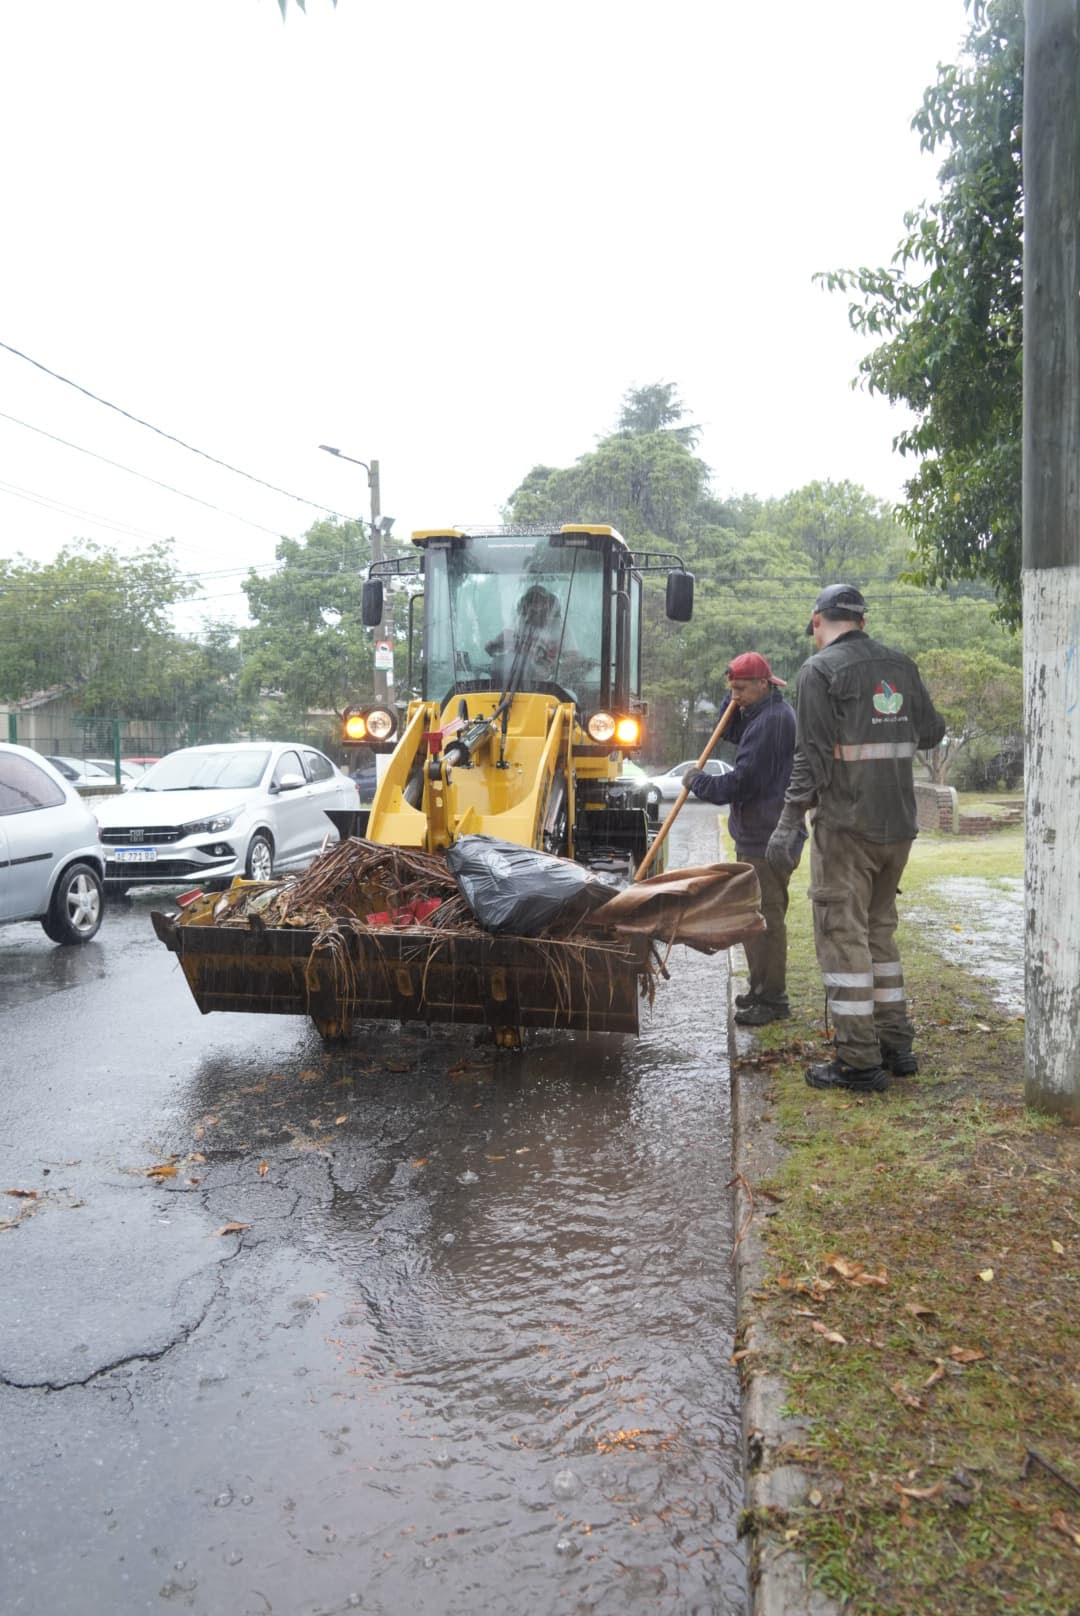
[752, 665]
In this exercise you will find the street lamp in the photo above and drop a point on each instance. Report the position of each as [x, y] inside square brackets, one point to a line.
[380, 529]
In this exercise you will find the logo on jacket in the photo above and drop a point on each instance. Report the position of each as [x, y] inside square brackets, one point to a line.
[886, 699]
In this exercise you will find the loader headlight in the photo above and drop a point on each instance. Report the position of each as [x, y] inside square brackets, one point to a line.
[381, 723]
[601, 727]
[368, 723]
[607, 727]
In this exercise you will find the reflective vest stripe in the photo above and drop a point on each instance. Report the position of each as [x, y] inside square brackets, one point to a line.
[889, 995]
[872, 751]
[851, 1007]
[848, 979]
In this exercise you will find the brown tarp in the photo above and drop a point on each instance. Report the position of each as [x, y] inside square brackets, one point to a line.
[708, 907]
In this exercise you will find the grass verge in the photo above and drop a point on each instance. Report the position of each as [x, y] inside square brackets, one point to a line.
[921, 1295]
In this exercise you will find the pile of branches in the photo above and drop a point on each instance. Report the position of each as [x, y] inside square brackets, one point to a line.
[352, 880]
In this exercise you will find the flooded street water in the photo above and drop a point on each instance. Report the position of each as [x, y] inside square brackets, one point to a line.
[466, 1349]
[980, 925]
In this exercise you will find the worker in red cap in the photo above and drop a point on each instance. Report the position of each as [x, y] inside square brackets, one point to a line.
[763, 729]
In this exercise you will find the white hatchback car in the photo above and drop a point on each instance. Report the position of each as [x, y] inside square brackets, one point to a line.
[51, 861]
[207, 813]
[671, 783]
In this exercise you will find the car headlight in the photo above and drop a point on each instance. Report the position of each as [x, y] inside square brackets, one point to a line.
[210, 827]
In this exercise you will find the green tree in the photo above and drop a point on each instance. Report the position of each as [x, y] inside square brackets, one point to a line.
[656, 408]
[949, 308]
[307, 644]
[92, 623]
[844, 533]
[979, 697]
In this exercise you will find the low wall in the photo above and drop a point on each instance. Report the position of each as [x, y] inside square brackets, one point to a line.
[936, 807]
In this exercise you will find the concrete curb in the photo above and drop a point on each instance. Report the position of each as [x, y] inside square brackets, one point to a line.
[779, 1578]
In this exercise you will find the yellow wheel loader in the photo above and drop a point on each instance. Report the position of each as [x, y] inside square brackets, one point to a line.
[523, 697]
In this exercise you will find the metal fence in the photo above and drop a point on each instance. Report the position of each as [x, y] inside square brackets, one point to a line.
[92, 752]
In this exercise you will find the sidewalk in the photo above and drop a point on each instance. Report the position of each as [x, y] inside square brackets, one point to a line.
[907, 1291]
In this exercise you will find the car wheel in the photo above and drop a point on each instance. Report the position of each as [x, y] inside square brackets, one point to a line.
[260, 859]
[77, 906]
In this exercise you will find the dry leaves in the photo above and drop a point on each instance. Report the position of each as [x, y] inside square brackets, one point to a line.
[264, 1168]
[919, 1310]
[29, 1195]
[833, 1336]
[1063, 1524]
[853, 1273]
[161, 1170]
[909, 1400]
[965, 1354]
[920, 1492]
[231, 1228]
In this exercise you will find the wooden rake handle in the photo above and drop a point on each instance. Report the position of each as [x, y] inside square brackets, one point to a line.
[661, 835]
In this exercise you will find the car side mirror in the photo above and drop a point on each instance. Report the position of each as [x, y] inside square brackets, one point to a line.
[679, 602]
[371, 604]
[290, 782]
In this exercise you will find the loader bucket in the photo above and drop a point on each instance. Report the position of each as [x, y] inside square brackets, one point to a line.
[353, 974]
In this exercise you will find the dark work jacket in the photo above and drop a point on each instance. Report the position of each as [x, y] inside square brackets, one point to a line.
[765, 737]
[863, 714]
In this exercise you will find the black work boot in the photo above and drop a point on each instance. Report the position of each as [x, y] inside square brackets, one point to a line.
[900, 1062]
[837, 1074]
[743, 1001]
[761, 1011]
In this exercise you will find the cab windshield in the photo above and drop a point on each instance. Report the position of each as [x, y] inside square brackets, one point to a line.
[514, 610]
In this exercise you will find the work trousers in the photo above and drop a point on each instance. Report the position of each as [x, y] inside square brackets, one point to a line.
[853, 887]
[766, 952]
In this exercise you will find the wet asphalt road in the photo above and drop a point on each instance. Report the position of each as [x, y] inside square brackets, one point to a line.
[468, 1354]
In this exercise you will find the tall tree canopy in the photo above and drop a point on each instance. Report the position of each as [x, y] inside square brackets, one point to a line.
[949, 307]
[758, 564]
[92, 623]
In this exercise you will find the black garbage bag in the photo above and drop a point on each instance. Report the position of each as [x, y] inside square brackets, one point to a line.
[516, 889]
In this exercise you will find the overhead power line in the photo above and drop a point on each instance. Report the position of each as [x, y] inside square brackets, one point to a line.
[172, 438]
[146, 478]
[74, 510]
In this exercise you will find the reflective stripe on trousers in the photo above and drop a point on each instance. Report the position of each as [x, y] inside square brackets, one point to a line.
[853, 888]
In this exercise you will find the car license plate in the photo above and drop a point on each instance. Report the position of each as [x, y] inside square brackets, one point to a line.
[135, 855]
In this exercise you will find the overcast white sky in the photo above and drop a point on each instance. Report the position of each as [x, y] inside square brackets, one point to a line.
[448, 236]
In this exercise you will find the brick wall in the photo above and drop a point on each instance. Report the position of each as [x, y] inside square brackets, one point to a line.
[936, 807]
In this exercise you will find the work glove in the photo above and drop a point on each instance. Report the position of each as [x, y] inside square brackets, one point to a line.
[785, 845]
[693, 779]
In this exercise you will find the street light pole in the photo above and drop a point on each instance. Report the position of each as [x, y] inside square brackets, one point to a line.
[382, 681]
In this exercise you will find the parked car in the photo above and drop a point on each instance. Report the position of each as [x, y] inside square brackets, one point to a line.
[131, 769]
[670, 784]
[633, 771]
[207, 813]
[51, 861]
[80, 771]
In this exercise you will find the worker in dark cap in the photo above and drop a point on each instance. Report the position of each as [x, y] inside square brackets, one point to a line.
[862, 714]
[763, 729]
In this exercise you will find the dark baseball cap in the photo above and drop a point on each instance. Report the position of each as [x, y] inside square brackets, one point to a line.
[843, 599]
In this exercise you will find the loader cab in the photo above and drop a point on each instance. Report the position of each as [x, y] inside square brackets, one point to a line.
[556, 612]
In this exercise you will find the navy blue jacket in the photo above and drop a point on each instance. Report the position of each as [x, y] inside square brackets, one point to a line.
[765, 737]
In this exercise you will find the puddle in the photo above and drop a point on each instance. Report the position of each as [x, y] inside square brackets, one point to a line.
[981, 928]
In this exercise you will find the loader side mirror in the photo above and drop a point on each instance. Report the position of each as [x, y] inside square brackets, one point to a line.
[680, 596]
[371, 606]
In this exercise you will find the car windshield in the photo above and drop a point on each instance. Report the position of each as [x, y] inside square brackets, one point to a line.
[225, 770]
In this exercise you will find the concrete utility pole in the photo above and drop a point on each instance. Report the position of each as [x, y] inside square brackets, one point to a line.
[1051, 524]
[383, 676]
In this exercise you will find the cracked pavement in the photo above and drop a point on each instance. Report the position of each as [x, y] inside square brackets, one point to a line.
[401, 1324]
